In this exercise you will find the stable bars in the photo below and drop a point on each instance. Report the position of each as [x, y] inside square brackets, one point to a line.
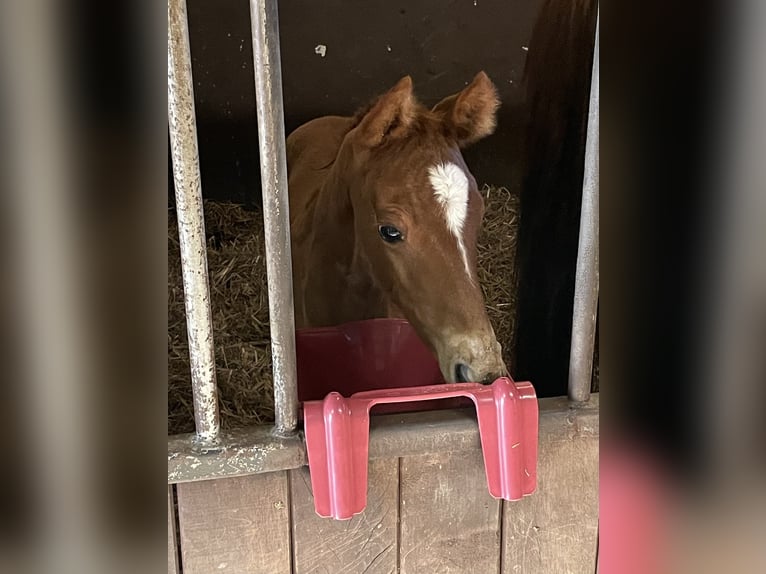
[185, 156]
[191, 225]
[276, 215]
[585, 311]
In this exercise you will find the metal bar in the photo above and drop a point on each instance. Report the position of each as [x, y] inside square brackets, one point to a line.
[586, 278]
[276, 216]
[255, 450]
[240, 452]
[191, 224]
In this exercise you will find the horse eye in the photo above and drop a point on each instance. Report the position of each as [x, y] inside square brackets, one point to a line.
[390, 234]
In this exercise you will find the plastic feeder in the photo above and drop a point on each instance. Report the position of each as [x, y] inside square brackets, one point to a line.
[378, 353]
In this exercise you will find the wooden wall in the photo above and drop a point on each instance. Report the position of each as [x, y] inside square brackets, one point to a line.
[429, 513]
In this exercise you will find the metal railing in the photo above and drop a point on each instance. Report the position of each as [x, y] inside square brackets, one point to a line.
[191, 224]
[209, 453]
[585, 311]
[276, 217]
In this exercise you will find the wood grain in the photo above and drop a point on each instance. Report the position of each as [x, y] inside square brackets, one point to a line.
[449, 522]
[235, 525]
[554, 531]
[426, 512]
[366, 543]
[172, 547]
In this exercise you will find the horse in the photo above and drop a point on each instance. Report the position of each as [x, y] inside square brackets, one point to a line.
[384, 218]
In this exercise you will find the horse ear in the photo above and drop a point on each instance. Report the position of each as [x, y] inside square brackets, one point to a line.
[470, 114]
[390, 116]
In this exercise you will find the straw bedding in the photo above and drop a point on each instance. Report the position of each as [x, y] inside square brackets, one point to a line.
[241, 316]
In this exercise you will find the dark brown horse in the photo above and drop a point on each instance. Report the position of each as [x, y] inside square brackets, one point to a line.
[385, 215]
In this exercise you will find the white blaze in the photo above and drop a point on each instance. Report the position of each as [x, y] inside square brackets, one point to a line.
[451, 190]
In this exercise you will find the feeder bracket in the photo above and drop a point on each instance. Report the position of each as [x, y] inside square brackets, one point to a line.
[338, 428]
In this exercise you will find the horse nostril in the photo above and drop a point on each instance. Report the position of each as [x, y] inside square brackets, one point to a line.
[463, 373]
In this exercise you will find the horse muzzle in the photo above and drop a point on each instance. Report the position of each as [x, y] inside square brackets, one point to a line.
[471, 360]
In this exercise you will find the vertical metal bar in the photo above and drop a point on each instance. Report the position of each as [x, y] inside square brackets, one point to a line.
[276, 216]
[586, 277]
[191, 224]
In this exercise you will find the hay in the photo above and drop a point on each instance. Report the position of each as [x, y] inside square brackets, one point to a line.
[240, 320]
[241, 315]
[497, 264]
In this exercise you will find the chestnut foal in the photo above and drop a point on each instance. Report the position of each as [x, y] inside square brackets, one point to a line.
[384, 219]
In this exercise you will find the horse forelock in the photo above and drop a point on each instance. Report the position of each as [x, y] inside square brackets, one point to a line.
[424, 121]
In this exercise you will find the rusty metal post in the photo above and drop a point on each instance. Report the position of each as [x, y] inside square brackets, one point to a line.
[276, 216]
[586, 277]
[191, 224]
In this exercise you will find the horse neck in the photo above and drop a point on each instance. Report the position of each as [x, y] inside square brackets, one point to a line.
[333, 221]
[338, 270]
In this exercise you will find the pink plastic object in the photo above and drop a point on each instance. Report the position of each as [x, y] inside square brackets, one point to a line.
[361, 356]
[366, 355]
[337, 439]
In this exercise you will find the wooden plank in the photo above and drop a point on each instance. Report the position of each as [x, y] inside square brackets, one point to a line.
[235, 525]
[256, 450]
[172, 547]
[555, 529]
[366, 543]
[449, 522]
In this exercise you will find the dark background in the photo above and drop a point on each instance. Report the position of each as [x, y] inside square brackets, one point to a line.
[539, 55]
